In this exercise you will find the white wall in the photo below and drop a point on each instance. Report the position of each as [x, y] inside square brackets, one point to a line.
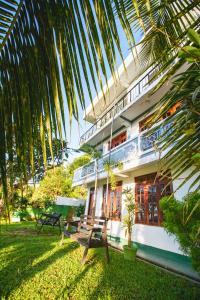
[87, 202]
[99, 201]
[180, 193]
[154, 236]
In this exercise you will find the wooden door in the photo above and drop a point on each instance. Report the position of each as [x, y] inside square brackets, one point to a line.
[91, 202]
[113, 207]
[148, 191]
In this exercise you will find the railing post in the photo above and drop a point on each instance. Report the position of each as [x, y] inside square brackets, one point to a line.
[139, 144]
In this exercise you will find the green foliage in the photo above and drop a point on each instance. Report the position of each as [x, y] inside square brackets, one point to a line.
[53, 50]
[128, 220]
[80, 210]
[58, 182]
[55, 183]
[109, 168]
[78, 162]
[182, 137]
[91, 151]
[35, 266]
[182, 218]
[191, 53]
[194, 36]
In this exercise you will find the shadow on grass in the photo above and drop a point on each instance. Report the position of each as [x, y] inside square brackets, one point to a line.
[37, 265]
[23, 255]
[121, 279]
[67, 291]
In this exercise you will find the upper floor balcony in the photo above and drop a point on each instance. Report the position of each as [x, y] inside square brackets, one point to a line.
[134, 152]
[125, 109]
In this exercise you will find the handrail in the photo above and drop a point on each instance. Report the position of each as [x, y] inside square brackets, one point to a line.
[136, 90]
[134, 147]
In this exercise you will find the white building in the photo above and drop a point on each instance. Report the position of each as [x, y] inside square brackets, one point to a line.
[131, 103]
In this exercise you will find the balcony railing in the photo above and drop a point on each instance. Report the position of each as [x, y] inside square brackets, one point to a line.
[128, 151]
[130, 97]
[122, 153]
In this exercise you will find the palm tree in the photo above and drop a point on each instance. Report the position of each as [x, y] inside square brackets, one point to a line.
[170, 40]
[183, 127]
[45, 44]
[48, 48]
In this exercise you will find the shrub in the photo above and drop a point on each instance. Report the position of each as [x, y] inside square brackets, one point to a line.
[80, 210]
[182, 218]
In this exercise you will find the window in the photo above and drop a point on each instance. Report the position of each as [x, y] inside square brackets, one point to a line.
[148, 192]
[119, 139]
[91, 202]
[114, 202]
[143, 125]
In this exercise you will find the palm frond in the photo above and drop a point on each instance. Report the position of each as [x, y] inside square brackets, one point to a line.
[183, 138]
[165, 25]
[46, 45]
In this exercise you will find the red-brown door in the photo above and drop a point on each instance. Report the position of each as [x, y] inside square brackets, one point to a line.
[148, 191]
[91, 202]
[113, 207]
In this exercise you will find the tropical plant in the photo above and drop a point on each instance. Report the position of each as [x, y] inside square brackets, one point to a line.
[170, 40]
[109, 167]
[44, 43]
[58, 182]
[181, 135]
[182, 218]
[128, 220]
[78, 162]
[53, 184]
[80, 210]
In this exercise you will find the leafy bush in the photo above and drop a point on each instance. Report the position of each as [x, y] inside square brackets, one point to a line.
[80, 210]
[182, 218]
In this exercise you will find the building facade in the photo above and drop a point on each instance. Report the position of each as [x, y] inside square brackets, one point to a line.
[119, 132]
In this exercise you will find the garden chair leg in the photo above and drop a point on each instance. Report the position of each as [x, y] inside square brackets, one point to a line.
[84, 255]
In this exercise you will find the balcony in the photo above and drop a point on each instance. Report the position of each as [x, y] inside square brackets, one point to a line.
[135, 151]
[139, 89]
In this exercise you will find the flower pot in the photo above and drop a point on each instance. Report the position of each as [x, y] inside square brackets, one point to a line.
[130, 252]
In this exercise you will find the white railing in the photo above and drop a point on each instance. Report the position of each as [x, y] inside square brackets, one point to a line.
[129, 150]
[130, 97]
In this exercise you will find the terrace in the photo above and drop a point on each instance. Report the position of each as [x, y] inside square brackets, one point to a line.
[119, 108]
[133, 150]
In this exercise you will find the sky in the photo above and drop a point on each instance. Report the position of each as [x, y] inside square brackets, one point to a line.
[78, 128]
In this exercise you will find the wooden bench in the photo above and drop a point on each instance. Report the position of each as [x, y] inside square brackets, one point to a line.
[90, 232]
[48, 219]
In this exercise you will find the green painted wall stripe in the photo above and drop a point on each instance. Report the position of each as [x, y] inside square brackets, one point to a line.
[169, 260]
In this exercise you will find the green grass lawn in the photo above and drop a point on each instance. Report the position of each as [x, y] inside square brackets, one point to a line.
[37, 267]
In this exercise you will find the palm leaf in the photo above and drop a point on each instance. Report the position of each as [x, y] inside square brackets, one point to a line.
[43, 44]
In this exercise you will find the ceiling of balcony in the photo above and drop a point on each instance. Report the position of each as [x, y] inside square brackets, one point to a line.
[133, 111]
[114, 90]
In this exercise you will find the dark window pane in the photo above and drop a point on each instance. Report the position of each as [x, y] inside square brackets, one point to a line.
[152, 204]
[141, 206]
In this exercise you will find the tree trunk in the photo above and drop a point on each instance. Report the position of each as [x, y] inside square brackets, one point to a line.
[129, 238]
[95, 188]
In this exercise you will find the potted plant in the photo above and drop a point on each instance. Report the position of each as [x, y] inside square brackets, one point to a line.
[128, 222]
